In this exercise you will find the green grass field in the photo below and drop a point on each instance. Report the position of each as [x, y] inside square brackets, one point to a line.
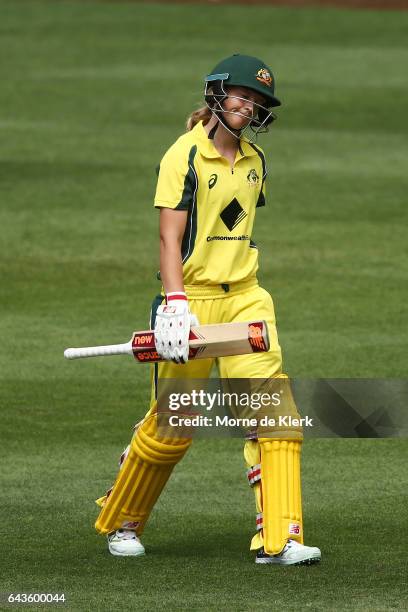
[91, 96]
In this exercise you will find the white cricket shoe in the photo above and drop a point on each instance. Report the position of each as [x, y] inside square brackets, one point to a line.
[293, 554]
[125, 543]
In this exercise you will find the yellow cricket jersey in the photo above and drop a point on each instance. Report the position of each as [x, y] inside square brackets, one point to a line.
[217, 247]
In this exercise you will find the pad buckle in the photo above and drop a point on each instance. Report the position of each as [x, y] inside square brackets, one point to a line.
[254, 474]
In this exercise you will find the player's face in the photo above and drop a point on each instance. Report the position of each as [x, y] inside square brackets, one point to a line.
[241, 106]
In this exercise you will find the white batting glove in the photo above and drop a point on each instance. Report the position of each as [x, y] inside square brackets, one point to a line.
[172, 328]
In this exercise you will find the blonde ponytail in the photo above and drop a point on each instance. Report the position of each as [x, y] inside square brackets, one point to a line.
[202, 114]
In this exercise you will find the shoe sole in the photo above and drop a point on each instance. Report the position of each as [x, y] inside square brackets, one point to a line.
[309, 561]
[115, 553]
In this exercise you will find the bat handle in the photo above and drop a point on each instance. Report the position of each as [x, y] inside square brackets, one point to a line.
[99, 351]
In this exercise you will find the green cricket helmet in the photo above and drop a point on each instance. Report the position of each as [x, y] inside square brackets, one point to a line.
[242, 71]
[245, 71]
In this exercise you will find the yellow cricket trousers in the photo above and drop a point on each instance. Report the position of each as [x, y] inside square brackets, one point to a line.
[216, 304]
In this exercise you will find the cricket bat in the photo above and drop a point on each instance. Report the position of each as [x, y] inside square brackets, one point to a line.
[205, 341]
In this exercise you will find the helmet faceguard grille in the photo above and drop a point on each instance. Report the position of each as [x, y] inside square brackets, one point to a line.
[215, 94]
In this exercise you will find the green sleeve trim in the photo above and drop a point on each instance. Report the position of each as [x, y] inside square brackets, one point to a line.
[261, 198]
[190, 183]
[191, 187]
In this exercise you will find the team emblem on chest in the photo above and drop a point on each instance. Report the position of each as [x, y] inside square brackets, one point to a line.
[252, 178]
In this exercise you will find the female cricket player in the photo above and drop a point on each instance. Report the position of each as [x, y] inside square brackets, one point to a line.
[210, 183]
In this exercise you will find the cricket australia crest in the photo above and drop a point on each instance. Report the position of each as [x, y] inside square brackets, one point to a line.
[252, 178]
[264, 76]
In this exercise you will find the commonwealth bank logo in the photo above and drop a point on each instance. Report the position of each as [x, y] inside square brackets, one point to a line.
[233, 214]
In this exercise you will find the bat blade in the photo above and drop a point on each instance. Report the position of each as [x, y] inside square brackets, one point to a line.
[206, 341]
[210, 341]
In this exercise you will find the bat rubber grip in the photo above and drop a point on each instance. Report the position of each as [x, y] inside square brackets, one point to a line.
[98, 351]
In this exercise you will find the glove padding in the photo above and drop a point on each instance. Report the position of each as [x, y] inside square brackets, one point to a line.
[172, 328]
